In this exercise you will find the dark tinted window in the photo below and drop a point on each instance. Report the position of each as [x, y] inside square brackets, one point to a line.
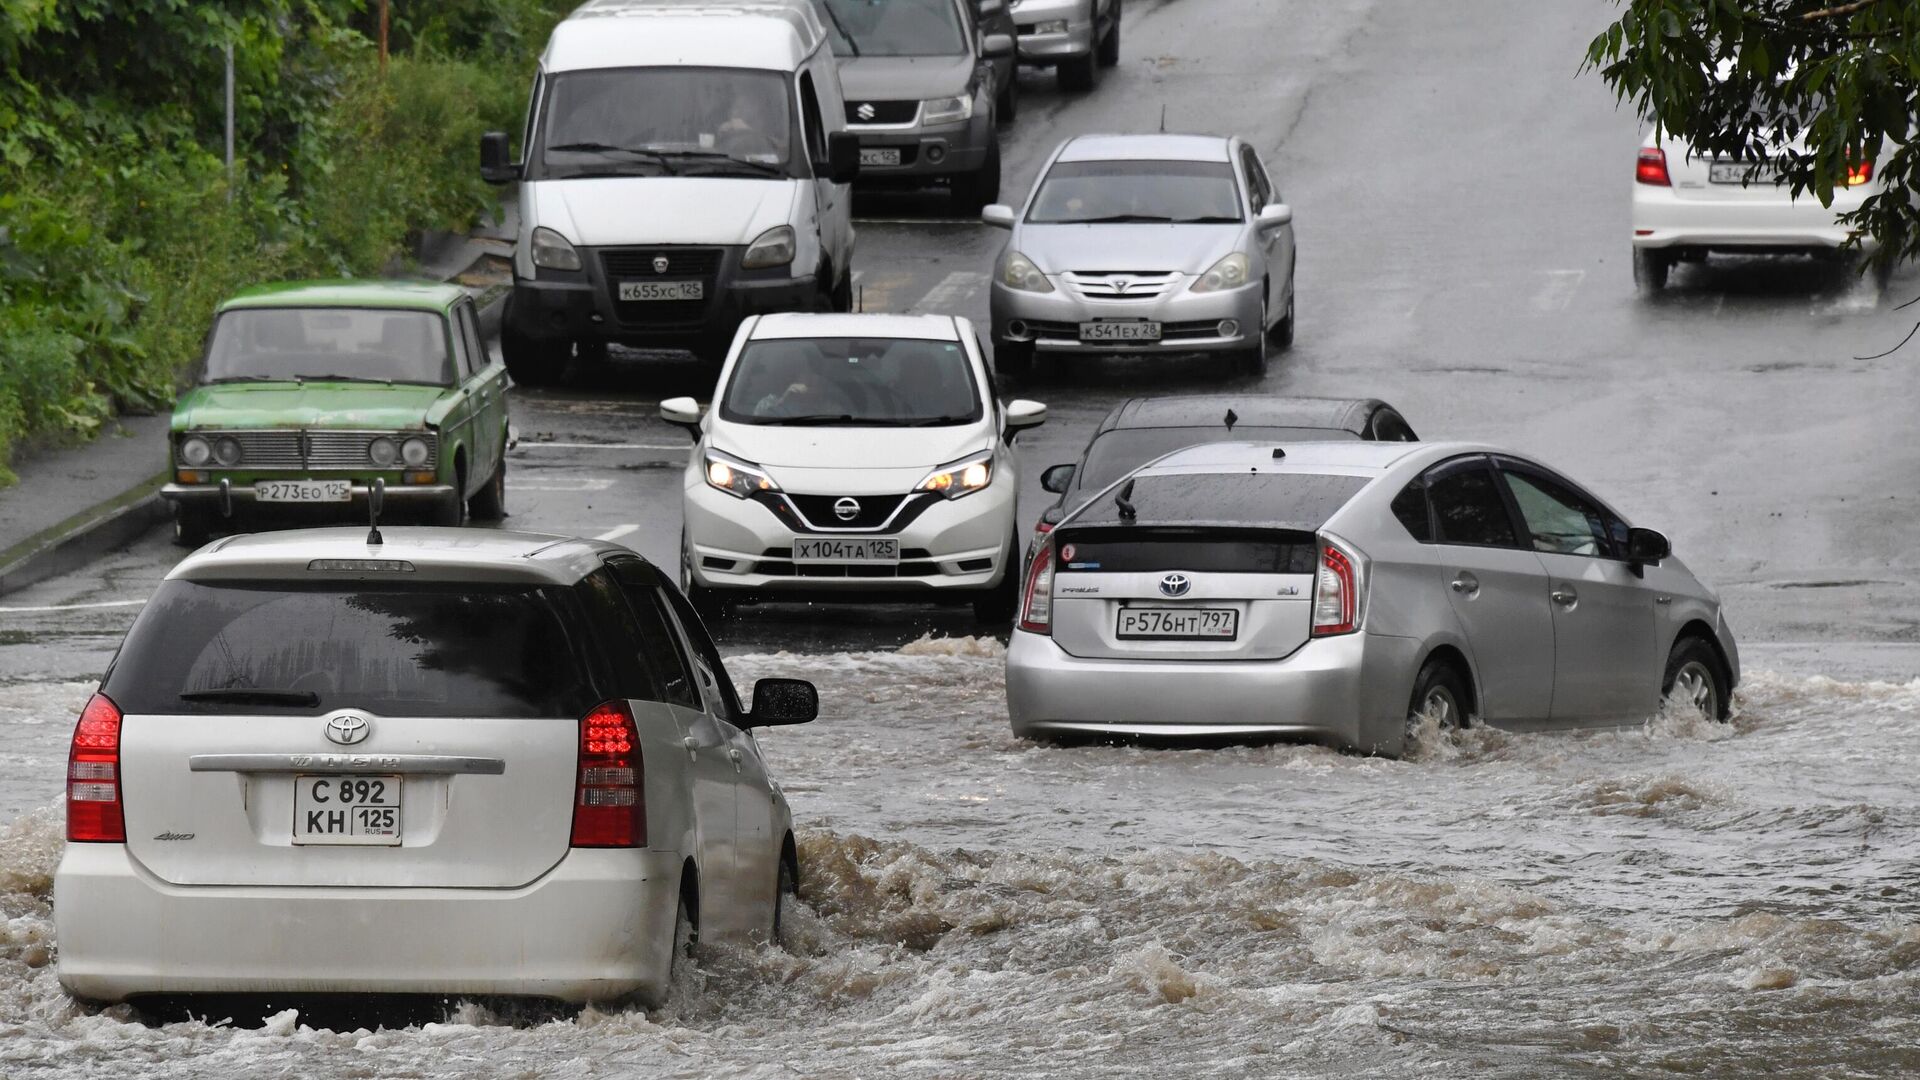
[1228, 551]
[1468, 508]
[617, 632]
[1121, 451]
[703, 646]
[1410, 506]
[426, 649]
[1559, 519]
[660, 646]
[1289, 500]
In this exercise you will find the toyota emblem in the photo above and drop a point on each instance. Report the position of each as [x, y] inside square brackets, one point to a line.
[348, 729]
[659, 264]
[1121, 285]
[846, 509]
[866, 111]
[1175, 585]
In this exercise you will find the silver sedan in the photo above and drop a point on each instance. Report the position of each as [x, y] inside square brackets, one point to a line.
[1145, 243]
[1336, 592]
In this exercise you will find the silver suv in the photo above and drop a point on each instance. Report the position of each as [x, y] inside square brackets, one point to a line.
[1074, 37]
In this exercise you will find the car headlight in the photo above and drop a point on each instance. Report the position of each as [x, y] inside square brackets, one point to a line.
[414, 452]
[1228, 273]
[195, 451]
[946, 110]
[383, 451]
[1018, 272]
[226, 451]
[552, 251]
[773, 248]
[1051, 26]
[735, 477]
[963, 477]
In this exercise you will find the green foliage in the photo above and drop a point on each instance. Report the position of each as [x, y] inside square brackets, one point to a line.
[119, 231]
[1817, 84]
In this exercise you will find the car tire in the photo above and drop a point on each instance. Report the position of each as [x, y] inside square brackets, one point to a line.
[1253, 360]
[1006, 104]
[530, 362]
[490, 502]
[1696, 675]
[786, 889]
[1079, 72]
[1108, 51]
[1439, 687]
[971, 191]
[450, 511]
[1282, 333]
[842, 298]
[1650, 269]
[997, 605]
[1013, 358]
[191, 528]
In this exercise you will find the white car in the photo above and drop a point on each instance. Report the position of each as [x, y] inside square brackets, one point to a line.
[1686, 206]
[446, 763]
[851, 455]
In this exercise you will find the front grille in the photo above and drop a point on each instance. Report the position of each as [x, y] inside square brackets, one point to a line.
[682, 264]
[882, 112]
[312, 450]
[1114, 285]
[819, 512]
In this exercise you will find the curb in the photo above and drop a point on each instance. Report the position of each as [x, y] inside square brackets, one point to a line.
[85, 536]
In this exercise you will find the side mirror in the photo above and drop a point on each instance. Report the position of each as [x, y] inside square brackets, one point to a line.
[843, 157]
[682, 412]
[1645, 547]
[783, 701]
[990, 7]
[496, 167]
[1022, 414]
[1051, 515]
[1274, 215]
[996, 46]
[998, 215]
[1058, 478]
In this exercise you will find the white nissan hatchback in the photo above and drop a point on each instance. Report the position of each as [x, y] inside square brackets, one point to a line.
[851, 455]
[448, 763]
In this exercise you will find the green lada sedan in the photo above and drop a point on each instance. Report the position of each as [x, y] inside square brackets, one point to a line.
[311, 392]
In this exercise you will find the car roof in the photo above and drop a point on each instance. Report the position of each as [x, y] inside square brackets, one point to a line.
[1351, 457]
[1146, 148]
[1256, 410]
[820, 325]
[348, 292]
[434, 554]
[771, 34]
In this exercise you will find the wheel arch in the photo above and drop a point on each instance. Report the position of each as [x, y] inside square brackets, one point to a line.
[790, 855]
[1701, 629]
[1453, 654]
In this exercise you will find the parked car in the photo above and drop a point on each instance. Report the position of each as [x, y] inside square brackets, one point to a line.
[446, 763]
[311, 393]
[923, 94]
[1339, 591]
[1165, 244]
[1074, 37]
[849, 456]
[1138, 430]
[996, 17]
[665, 226]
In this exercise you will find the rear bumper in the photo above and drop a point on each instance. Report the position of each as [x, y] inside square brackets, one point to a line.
[1053, 46]
[599, 925]
[1664, 219]
[1349, 691]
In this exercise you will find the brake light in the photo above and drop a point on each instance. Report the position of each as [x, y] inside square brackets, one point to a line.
[94, 811]
[1336, 594]
[1859, 174]
[1036, 600]
[609, 794]
[1652, 167]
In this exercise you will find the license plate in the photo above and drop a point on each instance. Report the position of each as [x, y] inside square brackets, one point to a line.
[883, 156]
[297, 491]
[346, 810]
[1739, 172]
[1120, 331]
[638, 291]
[842, 549]
[1178, 624]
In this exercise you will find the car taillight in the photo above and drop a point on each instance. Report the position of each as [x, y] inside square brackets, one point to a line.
[609, 793]
[1042, 528]
[1859, 174]
[94, 811]
[1652, 167]
[1336, 594]
[1036, 600]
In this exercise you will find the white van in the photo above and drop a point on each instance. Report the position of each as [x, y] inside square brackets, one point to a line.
[685, 165]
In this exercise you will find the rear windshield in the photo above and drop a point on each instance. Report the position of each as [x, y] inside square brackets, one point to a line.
[1282, 500]
[1121, 451]
[1223, 551]
[429, 649]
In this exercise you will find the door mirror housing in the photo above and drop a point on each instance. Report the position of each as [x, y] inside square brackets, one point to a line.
[989, 7]
[998, 215]
[843, 158]
[778, 702]
[682, 412]
[996, 46]
[1023, 414]
[1645, 547]
[1058, 478]
[1274, 215]
[496, 164]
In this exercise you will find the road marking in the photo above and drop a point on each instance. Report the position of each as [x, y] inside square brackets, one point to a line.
[585, 483]
[70, 607]
[1557, 290]
[604, 446]
[954, 290]
[617, 532]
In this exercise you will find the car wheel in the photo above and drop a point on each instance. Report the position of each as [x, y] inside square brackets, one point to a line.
[1078, 73]
[531, 362]
[191, 528]
[1650, 269]
[996, 605]
[1253, 360]
[686, 937]
[1014, 358]
[1282, 333]
[971, 191]
[490, 502]
[1441, 693]
[591, 355]
[786, 889]
[451, 509]
[1695, 677]
[1109, 50]
[1006, 104]
[843, 294]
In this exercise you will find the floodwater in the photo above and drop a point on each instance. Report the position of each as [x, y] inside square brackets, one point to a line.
[1684, 897]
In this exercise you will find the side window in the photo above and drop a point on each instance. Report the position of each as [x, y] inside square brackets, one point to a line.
[477, 357]
[810, 126]
[704, 650]
[533, 113]
[1410, 506]
[1560, 520]
[659, 645]
[1256, 183]
[462, 362]
[617, 633]
[1467, 507]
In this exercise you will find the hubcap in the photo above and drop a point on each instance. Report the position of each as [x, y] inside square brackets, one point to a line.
[1693, 684]
[1440, 705]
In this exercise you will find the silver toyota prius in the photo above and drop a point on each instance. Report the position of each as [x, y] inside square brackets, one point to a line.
[1334, 592]
[1169, 244]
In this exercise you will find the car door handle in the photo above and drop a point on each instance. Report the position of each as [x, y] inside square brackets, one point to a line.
[1565, 597]
[734, 756]
[693, 747]
[1465, 584]
[1663, 599]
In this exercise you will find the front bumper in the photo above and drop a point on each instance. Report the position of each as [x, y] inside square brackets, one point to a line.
[928, 152]
[1052, 47]
[599, 925]
[224, 501]
[1663, 219]
[1189, 321]
[950, 545]
[1349, 691]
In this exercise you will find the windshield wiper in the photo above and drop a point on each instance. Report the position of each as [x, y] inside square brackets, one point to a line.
[717, 157]
[834, 18]
[1121, 219]
[245, 378]
[934, 421]
[644, 152]
[817, 419]
[253, 694]
[1209, 220]
[329, 376]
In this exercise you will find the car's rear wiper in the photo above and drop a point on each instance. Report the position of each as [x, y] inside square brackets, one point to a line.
[252, 694]
[645, 152]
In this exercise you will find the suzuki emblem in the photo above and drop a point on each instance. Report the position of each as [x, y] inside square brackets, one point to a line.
[348, 729]
[866, 111]
[1175, 585]
[659, 264]
[846, 509]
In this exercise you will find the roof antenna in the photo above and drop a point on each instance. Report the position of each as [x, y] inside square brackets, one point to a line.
[1232, 419]
[1163, 118]
[1124, 502]
[375, 496]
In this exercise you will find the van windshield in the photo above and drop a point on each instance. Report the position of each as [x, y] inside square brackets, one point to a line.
[666, 121]
[899, 27]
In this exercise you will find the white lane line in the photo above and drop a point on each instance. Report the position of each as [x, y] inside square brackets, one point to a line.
[954, 289]
[70, 607]
[617, 532]
[1557, 290]
[603, 446]
[585, 483]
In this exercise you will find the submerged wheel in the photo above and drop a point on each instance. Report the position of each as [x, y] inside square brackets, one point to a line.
[1650, 269]
[786, 889]
[1696, 677]
[1441, 693]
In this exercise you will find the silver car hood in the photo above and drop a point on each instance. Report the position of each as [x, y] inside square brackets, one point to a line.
[1188, 249]
[904, 78]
